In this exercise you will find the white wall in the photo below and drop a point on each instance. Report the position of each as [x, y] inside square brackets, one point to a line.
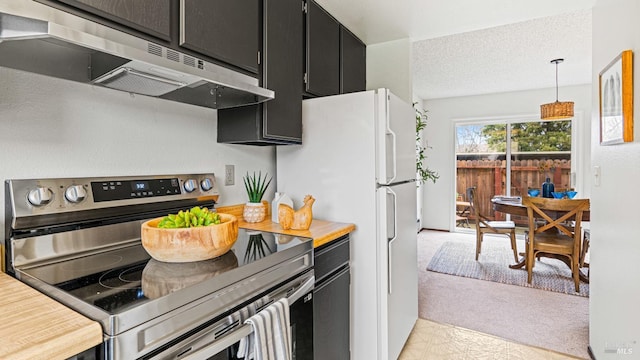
[389, 66]
[57, 128]
[439, 197]
[615, 246]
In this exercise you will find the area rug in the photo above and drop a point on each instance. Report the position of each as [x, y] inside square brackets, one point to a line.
[458, 258]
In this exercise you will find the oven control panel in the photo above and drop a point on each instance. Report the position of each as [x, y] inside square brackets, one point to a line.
[132, 189]
[52, 196]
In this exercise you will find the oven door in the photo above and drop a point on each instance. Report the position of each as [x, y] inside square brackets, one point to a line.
[220, 340]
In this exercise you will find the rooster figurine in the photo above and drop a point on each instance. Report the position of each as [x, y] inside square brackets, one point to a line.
[296, 220]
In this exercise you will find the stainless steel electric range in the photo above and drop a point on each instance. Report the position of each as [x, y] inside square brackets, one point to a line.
[77, 240]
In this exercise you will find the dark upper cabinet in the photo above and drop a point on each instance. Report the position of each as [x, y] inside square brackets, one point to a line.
[353, 62]
[149, 16]
[278, 121]
[322, 61]
[283, 41]
[225, 30]
[220, 31]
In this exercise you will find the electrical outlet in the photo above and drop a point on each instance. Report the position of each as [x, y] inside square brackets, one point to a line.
[229, 175]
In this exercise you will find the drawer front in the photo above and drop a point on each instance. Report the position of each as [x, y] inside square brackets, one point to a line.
[330, 257]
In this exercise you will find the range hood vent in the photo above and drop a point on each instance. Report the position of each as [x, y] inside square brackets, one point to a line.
[41, 39]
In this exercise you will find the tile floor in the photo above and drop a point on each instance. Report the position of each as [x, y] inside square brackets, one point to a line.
[431, 340]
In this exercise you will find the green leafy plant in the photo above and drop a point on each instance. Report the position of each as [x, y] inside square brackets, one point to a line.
[423, 172]
[256, 186]
[194, 217]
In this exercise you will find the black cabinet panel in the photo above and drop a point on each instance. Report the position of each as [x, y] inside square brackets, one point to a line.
[149, 16]
[242, 125]
[283, 69]
[322, 52]
[278, 121]
[330, 257]
[331, 318]
[353, 62]
[225, 30]
[331, 303]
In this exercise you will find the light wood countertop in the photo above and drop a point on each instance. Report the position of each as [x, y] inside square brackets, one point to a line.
[34, 326]
[321, 231]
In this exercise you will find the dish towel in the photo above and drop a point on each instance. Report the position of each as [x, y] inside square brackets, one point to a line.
[271, 336]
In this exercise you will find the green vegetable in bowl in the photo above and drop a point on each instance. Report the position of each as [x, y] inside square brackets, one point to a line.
[193, 217]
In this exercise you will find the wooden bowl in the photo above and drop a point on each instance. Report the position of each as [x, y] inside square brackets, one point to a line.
[189, 244]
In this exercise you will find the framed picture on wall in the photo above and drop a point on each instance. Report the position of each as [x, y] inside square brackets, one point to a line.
[616, 100]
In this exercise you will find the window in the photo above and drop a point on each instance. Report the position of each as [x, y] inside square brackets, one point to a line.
[508, 157]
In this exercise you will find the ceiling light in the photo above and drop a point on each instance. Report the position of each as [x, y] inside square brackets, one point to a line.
[556, 110]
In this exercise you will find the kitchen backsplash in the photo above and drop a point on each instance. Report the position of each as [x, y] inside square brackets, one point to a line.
[58, 128]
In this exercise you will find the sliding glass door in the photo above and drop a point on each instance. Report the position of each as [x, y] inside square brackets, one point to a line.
[507, 158]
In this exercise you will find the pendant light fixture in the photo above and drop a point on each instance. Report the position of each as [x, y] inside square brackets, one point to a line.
[556, 110]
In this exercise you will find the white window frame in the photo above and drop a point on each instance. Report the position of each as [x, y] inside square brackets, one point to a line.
[577, 142]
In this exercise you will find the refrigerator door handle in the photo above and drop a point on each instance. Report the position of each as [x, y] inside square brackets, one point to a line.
[391, 240]
[393, 153]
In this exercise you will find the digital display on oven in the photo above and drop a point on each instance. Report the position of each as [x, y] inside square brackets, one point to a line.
[139, 185]
[134, 189]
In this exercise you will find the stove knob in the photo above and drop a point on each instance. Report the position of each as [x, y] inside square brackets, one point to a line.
[190, 185]
[75, 193]
[40, 196]
[206, 184]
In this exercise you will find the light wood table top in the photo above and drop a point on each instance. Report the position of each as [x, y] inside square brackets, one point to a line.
[34, 326]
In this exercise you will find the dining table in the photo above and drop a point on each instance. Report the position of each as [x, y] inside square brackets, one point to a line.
[513, 205]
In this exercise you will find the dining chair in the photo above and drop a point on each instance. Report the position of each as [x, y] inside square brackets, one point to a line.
[584, 249]
[462, 212]
[485, 225]
[554, 237]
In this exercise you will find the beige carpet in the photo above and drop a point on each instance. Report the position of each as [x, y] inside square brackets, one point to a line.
[459, 258]
[540, 318]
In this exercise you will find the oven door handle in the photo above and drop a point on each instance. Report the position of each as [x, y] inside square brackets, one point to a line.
[243, 331]
[304, 288]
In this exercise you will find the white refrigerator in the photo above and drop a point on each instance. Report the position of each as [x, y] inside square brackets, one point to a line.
[357, 159]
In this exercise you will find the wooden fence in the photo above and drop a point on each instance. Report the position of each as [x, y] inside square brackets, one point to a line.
[490, 177]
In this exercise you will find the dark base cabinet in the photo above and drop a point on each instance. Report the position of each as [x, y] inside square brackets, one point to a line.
[331, 301]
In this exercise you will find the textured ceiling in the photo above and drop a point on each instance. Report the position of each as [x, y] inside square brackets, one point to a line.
[505, 58]
[469, 47]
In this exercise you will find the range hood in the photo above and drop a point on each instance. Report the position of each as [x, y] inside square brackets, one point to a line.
[44, 40]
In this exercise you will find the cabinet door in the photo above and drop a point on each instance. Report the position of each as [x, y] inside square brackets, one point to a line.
[331, 318]
[149, 16]
[322, 52]
[283, 69]
[278, 121]
[225, 30]
[353, 62]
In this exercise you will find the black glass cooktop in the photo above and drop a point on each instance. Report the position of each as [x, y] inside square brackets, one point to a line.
[118, 280]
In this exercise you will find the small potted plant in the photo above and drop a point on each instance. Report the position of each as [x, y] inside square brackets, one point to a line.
[254, 210]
